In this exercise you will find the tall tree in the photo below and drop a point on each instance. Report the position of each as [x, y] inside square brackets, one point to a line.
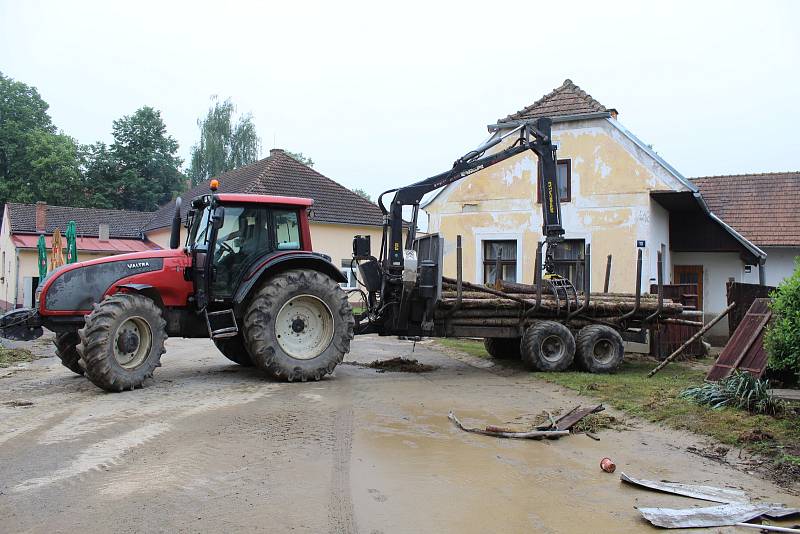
[363, 194]
[223, 145]
[299, 156]
[146, 162]
[36, 162]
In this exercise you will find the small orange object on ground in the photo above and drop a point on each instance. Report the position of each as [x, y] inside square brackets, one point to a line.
[607, 465]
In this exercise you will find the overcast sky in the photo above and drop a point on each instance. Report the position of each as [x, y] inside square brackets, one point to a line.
[381, 94]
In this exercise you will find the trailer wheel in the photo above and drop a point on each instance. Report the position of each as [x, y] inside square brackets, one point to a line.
[298, 325]
[502, 348]
[233, 348]
[67, 350]
[600, 349]
[122, 342]
[548, 346]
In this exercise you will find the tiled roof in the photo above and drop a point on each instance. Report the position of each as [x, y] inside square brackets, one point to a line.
[121, 223]
[567, 99]
[280, 174]
[764, 208]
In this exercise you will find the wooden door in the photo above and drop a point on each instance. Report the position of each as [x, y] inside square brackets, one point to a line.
[690, 274]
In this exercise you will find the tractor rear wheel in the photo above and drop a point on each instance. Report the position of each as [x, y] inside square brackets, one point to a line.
[548, 346]
[298, 325]
[122, 342]
[600, 349]
[502, 348]
[67, 350]
[233, 348]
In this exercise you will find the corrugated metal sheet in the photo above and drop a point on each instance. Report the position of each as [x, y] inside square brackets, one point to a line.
[745, 350]
[743, 295]
[90, 244]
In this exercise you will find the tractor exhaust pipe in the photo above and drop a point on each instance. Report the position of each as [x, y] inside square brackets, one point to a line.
[175, 235]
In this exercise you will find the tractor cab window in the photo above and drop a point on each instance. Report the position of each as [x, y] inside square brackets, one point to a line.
[242, 238]
[199, 231]
[287, 230]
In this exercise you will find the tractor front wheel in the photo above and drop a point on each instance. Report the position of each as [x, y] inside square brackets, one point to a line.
[298, 325]
[123, 341]
[67, 350]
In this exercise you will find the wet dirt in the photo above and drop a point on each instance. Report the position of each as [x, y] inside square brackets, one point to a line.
[208, 446]
[397, 365]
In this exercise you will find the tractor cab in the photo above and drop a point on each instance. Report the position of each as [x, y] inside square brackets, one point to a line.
[229, 236]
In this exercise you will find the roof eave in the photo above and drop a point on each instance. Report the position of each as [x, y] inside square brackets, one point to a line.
[746, 243]
[558, 118]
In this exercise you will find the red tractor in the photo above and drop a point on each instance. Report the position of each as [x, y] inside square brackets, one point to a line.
[246, 277]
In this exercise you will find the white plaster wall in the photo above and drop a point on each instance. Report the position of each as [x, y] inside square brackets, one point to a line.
[780, 265]
[718, 267]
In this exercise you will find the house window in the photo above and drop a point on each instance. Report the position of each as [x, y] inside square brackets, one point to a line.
[349, 273]
[564, 173]
[568, 259]
[504, 251]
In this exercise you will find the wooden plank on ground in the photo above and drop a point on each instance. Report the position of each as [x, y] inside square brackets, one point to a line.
[745, 350]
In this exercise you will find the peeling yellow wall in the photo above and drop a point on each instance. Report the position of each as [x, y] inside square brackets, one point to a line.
[610, 206]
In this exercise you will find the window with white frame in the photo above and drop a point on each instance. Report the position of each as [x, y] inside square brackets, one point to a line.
[502, 253]
[349, 273]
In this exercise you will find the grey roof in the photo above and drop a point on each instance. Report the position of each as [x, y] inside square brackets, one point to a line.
[566, 100]
[282, 175]
[121, 223]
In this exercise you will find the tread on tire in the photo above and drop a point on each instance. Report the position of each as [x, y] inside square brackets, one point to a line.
[97, 341]
[67, 350]
[548, 346]
[260, 325]
[600, 349]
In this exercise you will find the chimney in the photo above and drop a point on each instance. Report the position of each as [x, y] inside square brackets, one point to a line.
[613, 112]
[103, 232]
[275, 151]
[41, 216]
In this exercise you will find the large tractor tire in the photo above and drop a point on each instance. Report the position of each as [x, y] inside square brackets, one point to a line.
[233, 348]
[548, 346]
[122, 342]
[502, 348]
[298, 325]
[600, 349]
[67, 350]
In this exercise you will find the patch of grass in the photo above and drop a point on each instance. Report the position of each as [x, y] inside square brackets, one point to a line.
[470, 346]
[658, 400]
[11, 356]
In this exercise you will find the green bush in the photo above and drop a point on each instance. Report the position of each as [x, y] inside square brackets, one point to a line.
[782, 339]
[739, 390]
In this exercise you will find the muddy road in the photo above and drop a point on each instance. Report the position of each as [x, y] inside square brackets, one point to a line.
[209, 446]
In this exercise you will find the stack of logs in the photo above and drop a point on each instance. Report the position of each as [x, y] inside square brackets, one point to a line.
[507, 303]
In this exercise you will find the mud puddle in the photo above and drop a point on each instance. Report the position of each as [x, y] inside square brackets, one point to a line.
[396, 365]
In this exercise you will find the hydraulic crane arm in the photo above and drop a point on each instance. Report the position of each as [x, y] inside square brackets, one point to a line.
[534, 135]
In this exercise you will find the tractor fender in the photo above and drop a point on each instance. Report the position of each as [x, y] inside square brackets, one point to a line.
[285, 262]
[145, 290]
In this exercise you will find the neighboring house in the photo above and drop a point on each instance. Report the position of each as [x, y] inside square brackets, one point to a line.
[337, 215]
[100, 233]
[617, 195]
[765, 209]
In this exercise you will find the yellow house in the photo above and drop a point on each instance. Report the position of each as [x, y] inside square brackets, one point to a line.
[100, 232]
[617, 195]
[338, 214]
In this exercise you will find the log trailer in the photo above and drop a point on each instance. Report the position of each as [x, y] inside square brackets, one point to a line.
[548, 324]
[248, 278]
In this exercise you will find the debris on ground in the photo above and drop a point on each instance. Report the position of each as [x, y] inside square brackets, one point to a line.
[735, 507]
[593, 423]
[11, 356]
[723, 515]
[502, 432]
[755, 435]
[607, 465]
[18, 403]
[575, 415]
[704, 493]
[398, 365]
[718, 453]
